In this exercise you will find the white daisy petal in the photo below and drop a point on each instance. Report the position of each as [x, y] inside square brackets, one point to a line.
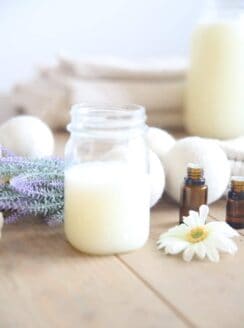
[194, 215]
[212, 254]
[200, 250]
[179, 230]
[176, 247]
[226, 245]
[195, 237]
[188, 254]
[163, 242]
[203, 213]
[168, 240]
[222, 228]
[190, 221]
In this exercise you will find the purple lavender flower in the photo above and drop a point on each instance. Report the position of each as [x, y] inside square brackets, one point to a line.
[38, 185]
[31, 187]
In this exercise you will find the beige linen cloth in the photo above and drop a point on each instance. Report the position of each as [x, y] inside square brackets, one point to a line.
[235, 153]
[157, 85]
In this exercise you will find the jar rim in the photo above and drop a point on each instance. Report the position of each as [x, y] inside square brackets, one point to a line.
[106, 117]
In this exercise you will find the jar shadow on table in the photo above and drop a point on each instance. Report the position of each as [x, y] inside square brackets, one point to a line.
[32, 238]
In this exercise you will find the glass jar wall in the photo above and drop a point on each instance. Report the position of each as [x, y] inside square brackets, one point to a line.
[107, 190]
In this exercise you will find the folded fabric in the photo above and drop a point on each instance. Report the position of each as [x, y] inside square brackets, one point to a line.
[47, 97]
[154, 95]
[237, 167]
[167, 119]
[118, 68]
[234, 150]
[7, 110]
[51, 93]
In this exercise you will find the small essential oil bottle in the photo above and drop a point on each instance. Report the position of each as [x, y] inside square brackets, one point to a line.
[235, 203]
[194, 192]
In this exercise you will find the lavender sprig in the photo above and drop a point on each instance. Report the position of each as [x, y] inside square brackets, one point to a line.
[13, 166]
[39, 185]
[31, 187]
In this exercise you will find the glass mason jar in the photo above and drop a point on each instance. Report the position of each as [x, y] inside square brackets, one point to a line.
[214, 95]
[107, 193]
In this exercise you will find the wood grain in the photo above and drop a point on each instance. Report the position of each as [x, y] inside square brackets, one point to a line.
[45, 283]
[208, 294]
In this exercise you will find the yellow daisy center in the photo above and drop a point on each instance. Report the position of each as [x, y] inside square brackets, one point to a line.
[195, 235]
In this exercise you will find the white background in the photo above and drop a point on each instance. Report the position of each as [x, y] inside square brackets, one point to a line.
[34, 32]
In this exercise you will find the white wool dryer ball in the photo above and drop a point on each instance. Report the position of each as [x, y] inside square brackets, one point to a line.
[159, 141]
[157, 178]
[203, 152]
[156, 170]
[27, 136]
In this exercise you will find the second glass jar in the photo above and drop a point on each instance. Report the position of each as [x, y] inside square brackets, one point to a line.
[214, 93]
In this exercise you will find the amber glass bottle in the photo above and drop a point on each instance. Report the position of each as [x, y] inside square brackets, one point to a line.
[194, 192]
[235, 203]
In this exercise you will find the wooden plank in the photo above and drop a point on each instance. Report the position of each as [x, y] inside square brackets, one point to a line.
[44, 282]
[207, 294]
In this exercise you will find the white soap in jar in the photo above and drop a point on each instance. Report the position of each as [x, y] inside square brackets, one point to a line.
[106, 207]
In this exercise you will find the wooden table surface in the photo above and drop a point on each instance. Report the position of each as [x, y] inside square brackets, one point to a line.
[44, 282]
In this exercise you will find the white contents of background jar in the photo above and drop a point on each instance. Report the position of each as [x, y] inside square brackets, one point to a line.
[216, 78]
[107, 207]
[215, 97]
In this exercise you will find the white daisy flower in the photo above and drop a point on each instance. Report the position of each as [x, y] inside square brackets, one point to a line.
[195, 237]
